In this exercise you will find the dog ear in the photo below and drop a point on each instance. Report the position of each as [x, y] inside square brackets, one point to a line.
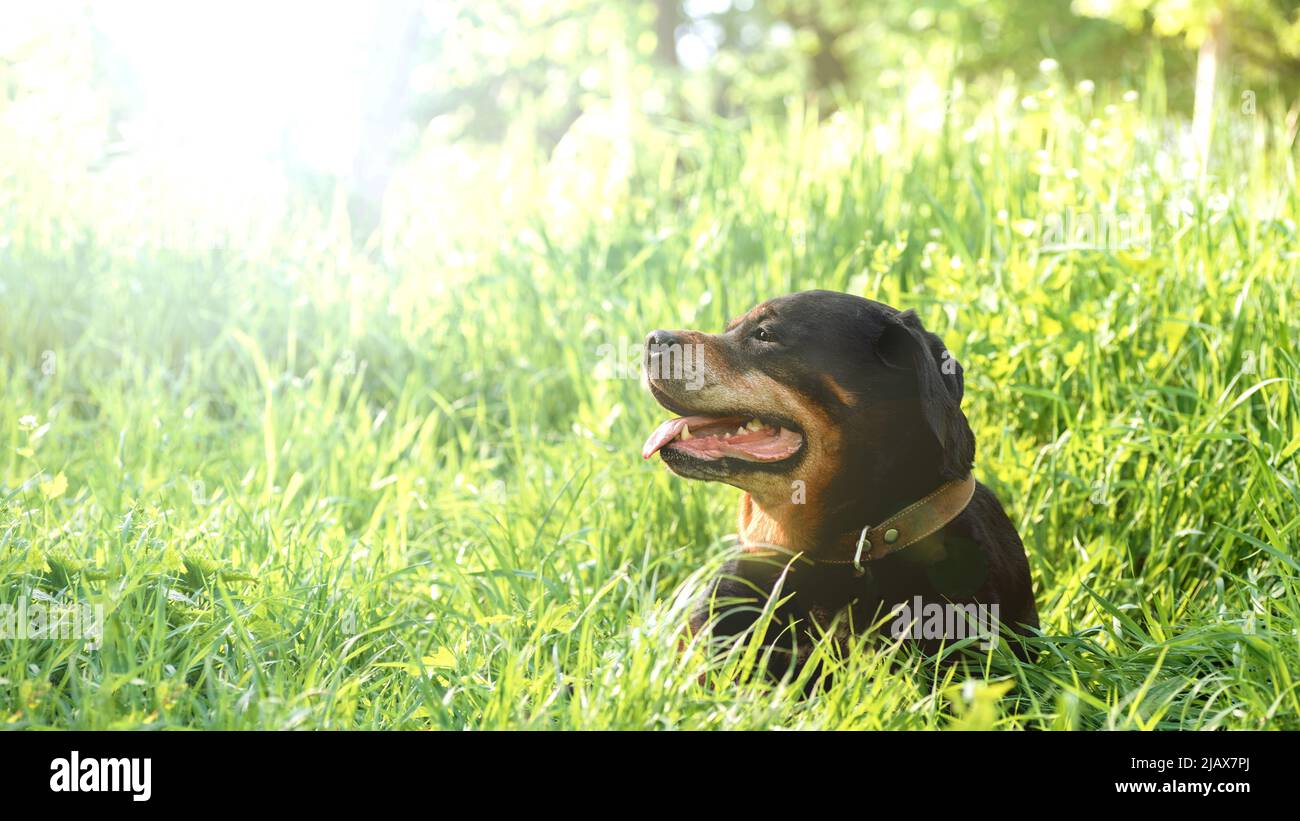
[940, 384]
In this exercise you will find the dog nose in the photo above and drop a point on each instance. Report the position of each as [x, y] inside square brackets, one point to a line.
[656, 339]
[661, 352]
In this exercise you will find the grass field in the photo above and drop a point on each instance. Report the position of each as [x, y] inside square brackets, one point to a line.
[317, 486]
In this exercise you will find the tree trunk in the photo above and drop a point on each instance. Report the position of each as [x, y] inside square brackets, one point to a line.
[668, 15]
[1207, 70]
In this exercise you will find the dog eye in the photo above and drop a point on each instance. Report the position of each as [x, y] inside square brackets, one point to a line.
[762, 335]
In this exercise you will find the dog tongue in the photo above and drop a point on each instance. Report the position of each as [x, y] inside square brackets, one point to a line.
[668, 431]
[765, 445]
[715, 441]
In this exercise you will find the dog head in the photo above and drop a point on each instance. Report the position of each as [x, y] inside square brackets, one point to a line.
[824, 388]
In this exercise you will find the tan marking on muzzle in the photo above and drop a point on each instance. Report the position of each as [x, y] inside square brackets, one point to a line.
[769, 514]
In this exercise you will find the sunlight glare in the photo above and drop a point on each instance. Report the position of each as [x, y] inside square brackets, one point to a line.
[239, 82]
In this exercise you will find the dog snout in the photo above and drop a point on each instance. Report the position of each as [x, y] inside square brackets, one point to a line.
[674, 357]
[658, 349]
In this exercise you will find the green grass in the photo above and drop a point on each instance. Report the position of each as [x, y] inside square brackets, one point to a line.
[315, 487]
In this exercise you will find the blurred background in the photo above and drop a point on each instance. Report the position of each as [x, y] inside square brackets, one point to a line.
[237, 114]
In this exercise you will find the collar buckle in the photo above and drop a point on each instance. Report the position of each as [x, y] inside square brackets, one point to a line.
[863, 541]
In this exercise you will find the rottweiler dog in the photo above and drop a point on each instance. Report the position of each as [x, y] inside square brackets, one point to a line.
[840, 418]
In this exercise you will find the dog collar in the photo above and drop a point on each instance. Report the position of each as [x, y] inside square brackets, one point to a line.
[909, 525]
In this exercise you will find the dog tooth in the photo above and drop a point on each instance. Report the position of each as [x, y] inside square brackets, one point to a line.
[754, 424]
[685, 434]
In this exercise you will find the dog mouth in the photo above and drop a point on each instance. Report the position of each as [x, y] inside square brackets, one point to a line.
[714, 437]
